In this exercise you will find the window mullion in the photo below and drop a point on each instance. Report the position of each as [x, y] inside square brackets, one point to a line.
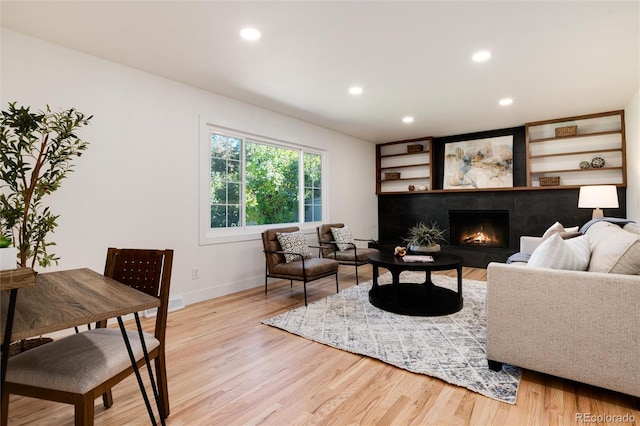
[301, 197]
[243, 183]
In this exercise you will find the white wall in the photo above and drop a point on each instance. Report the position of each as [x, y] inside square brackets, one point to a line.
[137, 184]
[632, 128]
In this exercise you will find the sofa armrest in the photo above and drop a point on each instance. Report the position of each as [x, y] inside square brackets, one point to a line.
[529, 244]
[579, 325]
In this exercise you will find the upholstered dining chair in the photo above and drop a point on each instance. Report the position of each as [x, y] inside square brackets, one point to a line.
[79, 368]
[287, 256]
[338, 244]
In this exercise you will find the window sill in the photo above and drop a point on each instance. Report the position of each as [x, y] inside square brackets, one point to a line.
[237, 235]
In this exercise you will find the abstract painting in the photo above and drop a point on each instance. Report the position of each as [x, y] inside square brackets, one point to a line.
[480, 163]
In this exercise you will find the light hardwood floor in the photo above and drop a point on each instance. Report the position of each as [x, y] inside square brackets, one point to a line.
[226, 368]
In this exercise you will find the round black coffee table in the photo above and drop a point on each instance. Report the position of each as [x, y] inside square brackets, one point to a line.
[423, 299]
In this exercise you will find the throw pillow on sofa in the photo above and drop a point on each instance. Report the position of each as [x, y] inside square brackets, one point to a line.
[613, 249]
[565, 233]
[558, 253]
[556, 227]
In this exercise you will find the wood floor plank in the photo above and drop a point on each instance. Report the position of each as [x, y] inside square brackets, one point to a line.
[226, 368]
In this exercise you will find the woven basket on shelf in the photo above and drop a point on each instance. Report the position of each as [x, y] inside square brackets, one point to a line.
[566, 131]
[414, 148]
[549, 180]
[392, 176]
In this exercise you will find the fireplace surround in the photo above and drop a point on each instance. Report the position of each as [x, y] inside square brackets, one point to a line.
[531, 212]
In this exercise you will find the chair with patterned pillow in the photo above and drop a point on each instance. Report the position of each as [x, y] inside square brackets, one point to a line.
[338, 244]
[287, 256]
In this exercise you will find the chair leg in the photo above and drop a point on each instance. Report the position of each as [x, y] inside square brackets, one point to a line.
[337, 288]
[107, 399]
[357, 281]
[4, 412]
[305, 292]
[161, 376]
[84, 410]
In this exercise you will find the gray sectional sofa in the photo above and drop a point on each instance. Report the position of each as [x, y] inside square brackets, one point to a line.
[582, 325]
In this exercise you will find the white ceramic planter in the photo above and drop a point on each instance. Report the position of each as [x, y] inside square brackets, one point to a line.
[425, 249]
[8, 258]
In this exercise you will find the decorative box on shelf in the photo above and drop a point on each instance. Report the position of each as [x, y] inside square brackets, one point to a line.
[391, 176]
[549, 180]
[414, 148]
[565, 131]
[17, 278]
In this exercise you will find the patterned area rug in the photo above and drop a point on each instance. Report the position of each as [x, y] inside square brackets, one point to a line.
[451, 348]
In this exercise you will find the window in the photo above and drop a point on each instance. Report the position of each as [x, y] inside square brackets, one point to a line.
[226, 166]
[252, 182]
[312, 187]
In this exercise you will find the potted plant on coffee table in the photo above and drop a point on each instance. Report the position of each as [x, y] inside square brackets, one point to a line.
[423, 238]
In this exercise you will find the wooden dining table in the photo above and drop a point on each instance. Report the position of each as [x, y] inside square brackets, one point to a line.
[65, 299]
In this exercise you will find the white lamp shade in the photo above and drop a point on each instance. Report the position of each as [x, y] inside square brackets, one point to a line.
[598, 196]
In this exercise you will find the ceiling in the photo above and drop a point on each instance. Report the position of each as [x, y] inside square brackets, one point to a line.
[554, 58]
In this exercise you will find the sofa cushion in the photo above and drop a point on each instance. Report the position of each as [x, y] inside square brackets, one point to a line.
[343, 238]
[613, 249]
[314, 267]
[557, 253]
[293, 242]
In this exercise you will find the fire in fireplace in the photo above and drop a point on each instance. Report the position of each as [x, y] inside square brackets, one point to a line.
[479, 228]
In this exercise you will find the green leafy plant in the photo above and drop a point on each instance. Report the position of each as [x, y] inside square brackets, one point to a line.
[36, 153]
[423, 235]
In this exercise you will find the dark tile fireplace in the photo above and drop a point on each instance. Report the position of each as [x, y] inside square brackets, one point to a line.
[530, 212]
[479, 228]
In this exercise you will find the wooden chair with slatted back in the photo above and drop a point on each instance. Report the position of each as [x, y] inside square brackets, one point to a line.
[148, 271]
[79, 368]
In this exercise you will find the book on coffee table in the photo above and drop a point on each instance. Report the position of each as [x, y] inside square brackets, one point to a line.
[417, 258]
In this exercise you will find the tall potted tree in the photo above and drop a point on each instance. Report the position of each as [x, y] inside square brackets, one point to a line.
[36, 153]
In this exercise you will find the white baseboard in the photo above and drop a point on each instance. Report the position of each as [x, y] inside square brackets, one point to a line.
[222, 290]
[174, 305]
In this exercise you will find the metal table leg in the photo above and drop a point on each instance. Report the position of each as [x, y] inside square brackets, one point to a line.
[6, 344]
[134, 364]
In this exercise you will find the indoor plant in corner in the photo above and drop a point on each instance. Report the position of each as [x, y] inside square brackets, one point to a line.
[424, 239]
[36, 153]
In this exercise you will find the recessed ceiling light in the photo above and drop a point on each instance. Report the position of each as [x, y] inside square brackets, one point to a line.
[481, 56]
[355, 90]
[250, 34]
[506, 101]
[407, 119]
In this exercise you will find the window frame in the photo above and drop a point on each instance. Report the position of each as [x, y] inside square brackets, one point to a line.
[208, 235]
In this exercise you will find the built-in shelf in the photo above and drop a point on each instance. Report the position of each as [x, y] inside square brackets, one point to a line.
[597, 135]
[403, 166]
[400, 171]
[585, 135]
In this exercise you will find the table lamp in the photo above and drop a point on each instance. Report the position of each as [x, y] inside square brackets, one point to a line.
[597, 197]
